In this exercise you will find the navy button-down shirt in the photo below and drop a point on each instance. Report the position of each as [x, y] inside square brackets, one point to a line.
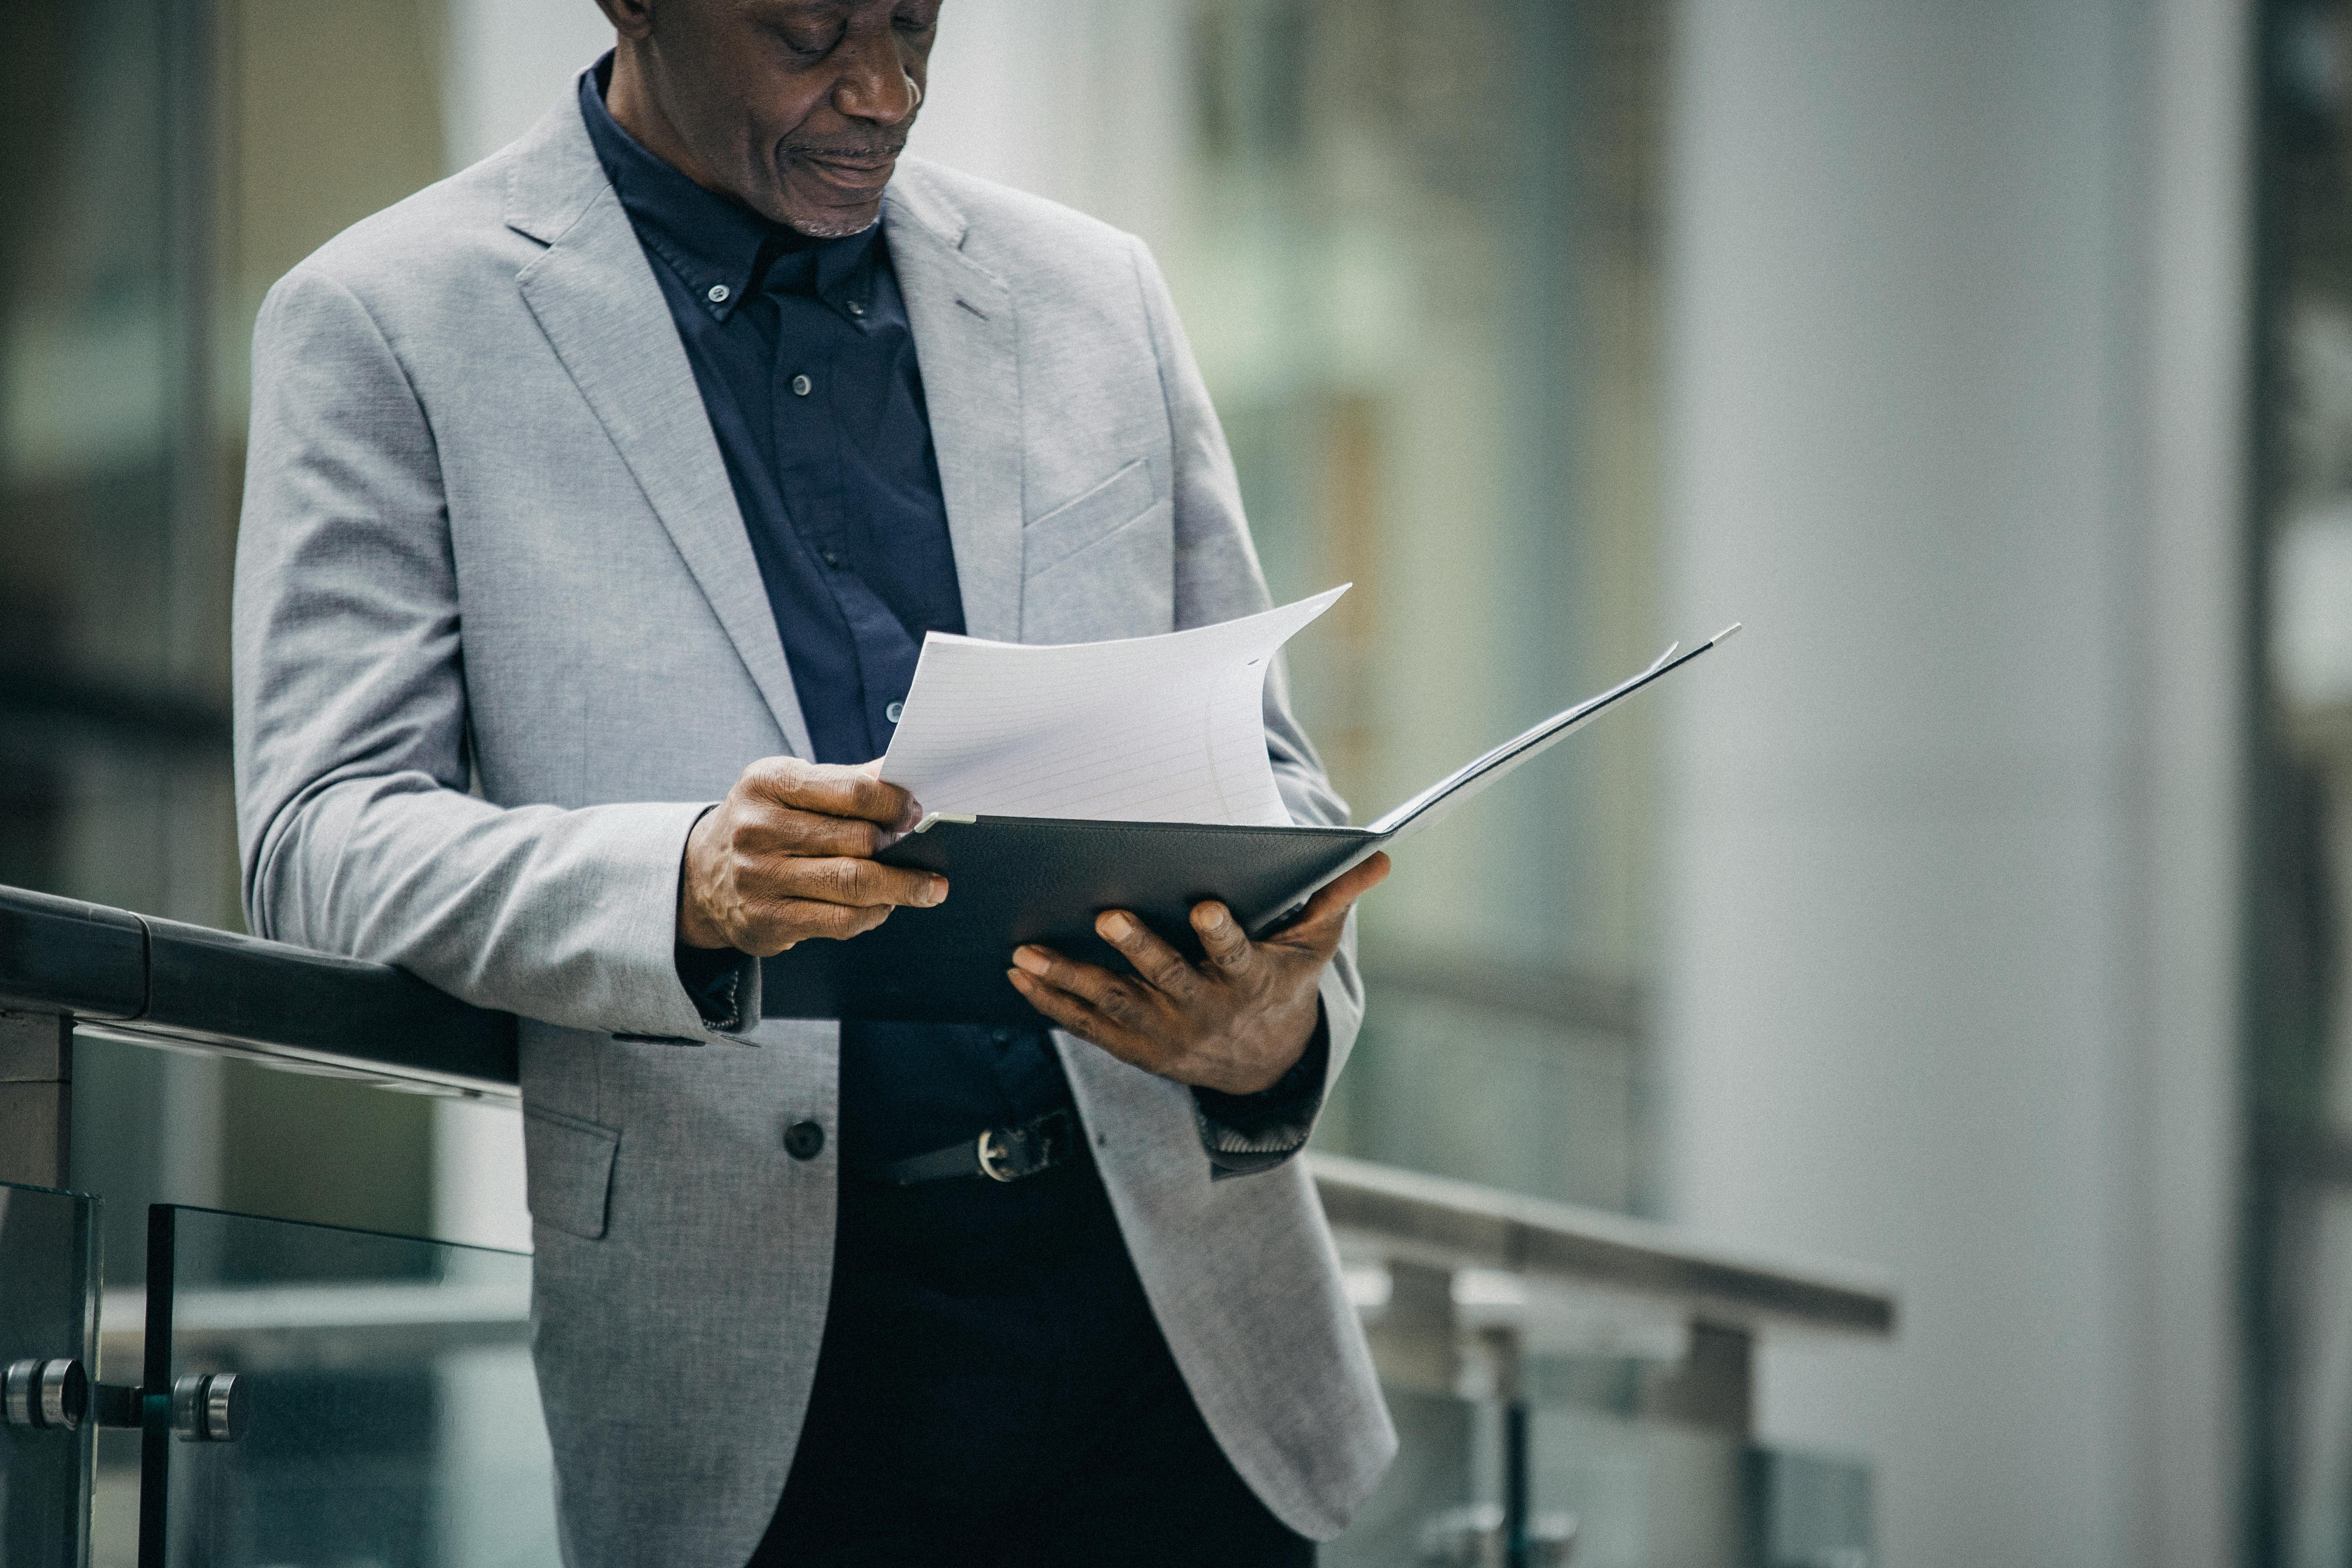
[807, 365]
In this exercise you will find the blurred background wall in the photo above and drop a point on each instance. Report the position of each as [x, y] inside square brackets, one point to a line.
[1951, 902]
[1979, 913]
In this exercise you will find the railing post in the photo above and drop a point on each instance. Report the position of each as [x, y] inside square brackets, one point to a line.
[1504, 1348]
[1714, 1386]
[36, 1097]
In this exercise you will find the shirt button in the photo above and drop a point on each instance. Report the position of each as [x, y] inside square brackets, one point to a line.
[856, 308]
[896, 711]
[800, 386]
[804, 1140]
[719, 294]
[831, 559]
[1002, 1036]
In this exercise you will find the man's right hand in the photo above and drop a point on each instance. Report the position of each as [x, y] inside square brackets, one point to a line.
[788, 855]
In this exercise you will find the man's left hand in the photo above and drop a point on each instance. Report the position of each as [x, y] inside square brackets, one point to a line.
[1234, 1022]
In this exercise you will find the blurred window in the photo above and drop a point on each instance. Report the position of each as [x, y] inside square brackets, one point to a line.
[1419, 259]
[2300, 1081]
[168, 159]
[113, 588]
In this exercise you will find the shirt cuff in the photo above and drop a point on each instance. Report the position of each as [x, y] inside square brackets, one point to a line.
[714, 980]
[1247, 1133]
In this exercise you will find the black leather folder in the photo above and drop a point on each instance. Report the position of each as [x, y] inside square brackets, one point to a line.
[1015, 880]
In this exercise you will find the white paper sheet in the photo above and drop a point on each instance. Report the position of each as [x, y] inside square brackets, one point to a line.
[1164, 729]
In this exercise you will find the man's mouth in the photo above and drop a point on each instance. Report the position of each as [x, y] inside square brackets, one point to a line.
[865, 168]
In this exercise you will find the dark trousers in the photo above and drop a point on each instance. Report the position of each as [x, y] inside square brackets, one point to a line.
[992, 1390]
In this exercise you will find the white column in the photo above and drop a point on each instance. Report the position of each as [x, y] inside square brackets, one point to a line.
[505, 61]
[2196, 317]
[1953, 425]
[1080, 100]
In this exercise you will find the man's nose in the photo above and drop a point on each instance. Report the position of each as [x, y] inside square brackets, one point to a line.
[874, 85]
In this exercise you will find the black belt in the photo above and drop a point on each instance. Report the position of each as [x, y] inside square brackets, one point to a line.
[1001, 1153]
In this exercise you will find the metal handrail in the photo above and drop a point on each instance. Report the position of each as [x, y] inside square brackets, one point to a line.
[163, 982]
[159, 982]
[1453, 1225]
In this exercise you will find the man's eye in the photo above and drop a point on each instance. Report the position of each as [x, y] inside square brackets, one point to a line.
[810, 46]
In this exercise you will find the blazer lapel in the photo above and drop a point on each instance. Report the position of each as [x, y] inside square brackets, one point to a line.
[595, 298]
[961, 317]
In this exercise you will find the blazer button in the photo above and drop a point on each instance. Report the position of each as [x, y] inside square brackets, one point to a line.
[804, 1140]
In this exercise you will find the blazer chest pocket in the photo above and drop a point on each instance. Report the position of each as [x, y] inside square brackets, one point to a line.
[567, 1171]
[1103, 566]
[1073, 526]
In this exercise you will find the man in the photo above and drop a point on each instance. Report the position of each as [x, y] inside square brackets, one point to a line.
[652, 446]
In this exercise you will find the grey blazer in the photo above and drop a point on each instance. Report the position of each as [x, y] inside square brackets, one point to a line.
[500, 637]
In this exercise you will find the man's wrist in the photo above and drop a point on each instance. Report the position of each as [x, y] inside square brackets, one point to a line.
[709, 971]
[694, 932]
[1299, 1087]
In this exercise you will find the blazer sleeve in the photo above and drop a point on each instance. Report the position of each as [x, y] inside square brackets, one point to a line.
[1218, 578]
[357, 831]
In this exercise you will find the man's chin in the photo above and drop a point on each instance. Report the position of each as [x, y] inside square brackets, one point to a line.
[834, 224]
[825, 211]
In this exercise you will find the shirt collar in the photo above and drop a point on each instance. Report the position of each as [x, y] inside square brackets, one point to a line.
[720, 251]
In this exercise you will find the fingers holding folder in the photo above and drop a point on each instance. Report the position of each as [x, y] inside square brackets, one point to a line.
[1234, 1021]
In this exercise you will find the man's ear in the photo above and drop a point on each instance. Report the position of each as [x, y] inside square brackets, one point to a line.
[632, 19]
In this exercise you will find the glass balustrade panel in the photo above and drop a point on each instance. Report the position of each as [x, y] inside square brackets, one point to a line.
[383, 1397]
[48, 1316]
[1610, 1490]
[1813, 1511]
[1426, 1508]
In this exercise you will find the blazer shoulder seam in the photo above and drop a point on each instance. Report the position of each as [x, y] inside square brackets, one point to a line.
[407, 377]
[1138, 256]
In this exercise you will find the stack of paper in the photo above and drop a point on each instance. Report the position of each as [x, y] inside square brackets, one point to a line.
[1161, 729]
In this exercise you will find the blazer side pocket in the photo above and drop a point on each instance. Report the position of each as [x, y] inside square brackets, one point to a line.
[1072, 526]
[567, 1171]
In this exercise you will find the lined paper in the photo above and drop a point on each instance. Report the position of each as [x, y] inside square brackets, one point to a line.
[1158, 729]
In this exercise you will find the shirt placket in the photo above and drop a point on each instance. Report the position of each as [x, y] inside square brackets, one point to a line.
[808, 463]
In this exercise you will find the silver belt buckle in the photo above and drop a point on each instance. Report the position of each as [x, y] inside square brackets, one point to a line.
[990, 1151]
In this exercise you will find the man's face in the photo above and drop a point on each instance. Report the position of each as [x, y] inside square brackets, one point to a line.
[798, 108]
